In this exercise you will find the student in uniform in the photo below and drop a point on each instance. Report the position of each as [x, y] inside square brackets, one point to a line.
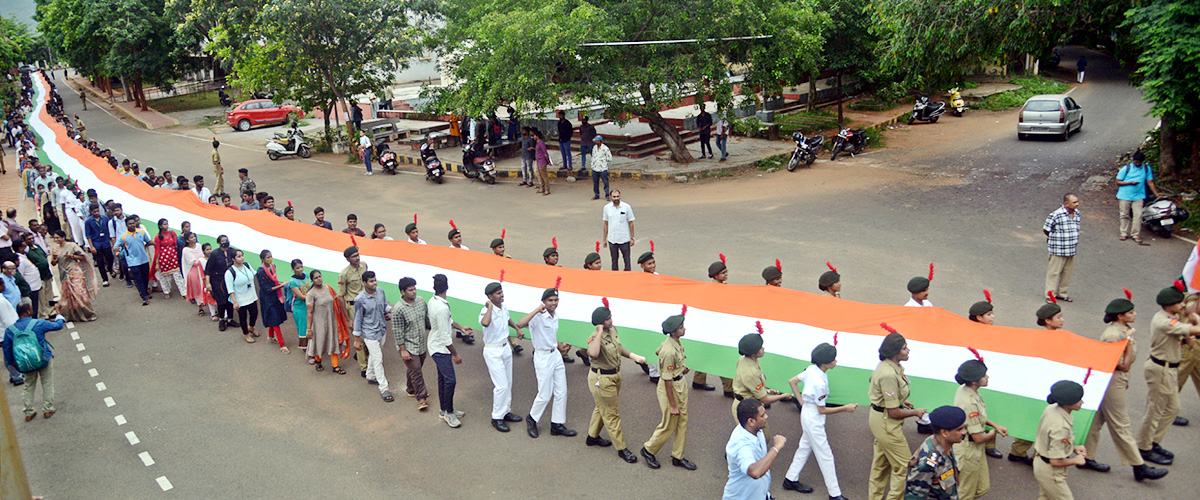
[1055, 441]
[1189, 364]
[1120, 315]
[604, 381]
[672, 396]
[812, 422]
[495, 321]
[455, 237]
[933, 472]
[749, 381]
[591, 261]
[973, 479]
[647, 263]
[918, 289]
[719, 274]
[1168, 333]
[1050, 317]
[551, 373]
[497, 247]
[773, 275]
[888, 392]
[830, 282]
[983, 312]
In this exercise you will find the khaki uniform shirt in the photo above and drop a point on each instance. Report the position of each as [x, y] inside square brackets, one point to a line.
[216, 157]
[671, 359]
[1055, 433]
[350, 281]
[889, 387]
[610, 352]
[749, 380]
[1117, 332]
[972, 403]
[1166, 336]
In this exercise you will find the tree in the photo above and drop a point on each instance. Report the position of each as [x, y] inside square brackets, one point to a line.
[14, 42]
[542, 54]
[1166, 32]
[142, 44]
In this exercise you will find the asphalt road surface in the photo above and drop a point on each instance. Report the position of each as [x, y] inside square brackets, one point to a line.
[223, 419]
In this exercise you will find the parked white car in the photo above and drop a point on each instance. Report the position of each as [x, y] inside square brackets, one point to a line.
[1050, 114]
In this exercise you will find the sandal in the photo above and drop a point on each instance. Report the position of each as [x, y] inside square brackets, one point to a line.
[339, 371]
[319, 367]
[1140, 242]
[311, 361]
[1123, 238]
[285, 350]
[249, 339]
[1064, 299]
[387, 397]
[254, 333]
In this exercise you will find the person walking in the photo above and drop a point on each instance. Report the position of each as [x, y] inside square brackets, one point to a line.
[600, 160]
[1168, 333]
[704, 122]
[239, 280]
[748, 456]
[441, 349]
[548, 357]
[604, 382]
[218, 171]
[8, 316]
[1081, 67]
[973, 480]
[36, 253]
[294, 296]
[933, 471]
[1189, 363]
[497, 355]
[350, 285]
[133, 246]
[528, 144]
[327, 324]
[815, 441]
[888, 392]
[565, 131]
[722, 130]
[77, 280]
[672, 395]
[410, 326]
[99, 241]
[1133, 180]
[749, 381]
[1054, 442]
[83, 99]
[618, 229]
[166, 260]
[271, 299]
[542, 158]
[587, 137]
[371, 309]
[28, 330]
[1062, 238]
[364, 149]
[195, 257]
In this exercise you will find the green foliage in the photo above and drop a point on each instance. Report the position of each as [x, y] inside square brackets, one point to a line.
[186, 102]
[809, 123]
[1030, 86]
[747, 127]
[14, 42]
[1167, 32]
[772, 162]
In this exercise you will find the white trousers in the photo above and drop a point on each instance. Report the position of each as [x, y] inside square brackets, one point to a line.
[164, 281]
[77, 232]
[552, 383]
[653, 369]
[815, 441]
[498, 359]
[375, 363]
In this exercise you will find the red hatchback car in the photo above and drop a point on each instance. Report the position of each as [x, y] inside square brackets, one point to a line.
[259, 112]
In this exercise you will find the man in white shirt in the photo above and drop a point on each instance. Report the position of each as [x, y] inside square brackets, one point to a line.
[169, 181]
[364, 150]
[441, 349]
[497, 354]
[722, 132]
[411, 231]
[601, 156]
[28, 271]
[200, 191]
[548, 355]
[618, 228]
[919, 288]
[747, 454]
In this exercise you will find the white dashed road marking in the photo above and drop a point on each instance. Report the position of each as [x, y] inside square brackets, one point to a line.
[87, 360]
[120, 419]
[79, 347]
[70, 325]
[164, 483]
[74, 335]
[133, 439]
[101, 387]
[145, 456]
[109, 402]
[93, 373]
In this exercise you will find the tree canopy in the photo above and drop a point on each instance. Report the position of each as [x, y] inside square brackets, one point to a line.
[14, 42]
[1167, 33]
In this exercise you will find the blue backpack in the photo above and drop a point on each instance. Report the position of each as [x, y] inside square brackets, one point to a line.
[28, 354]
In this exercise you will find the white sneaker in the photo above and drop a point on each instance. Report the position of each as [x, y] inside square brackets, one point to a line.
[451, 420]
[459, 413]
[370, 173]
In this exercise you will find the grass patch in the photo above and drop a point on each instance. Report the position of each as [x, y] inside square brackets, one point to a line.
[186, 102]
[1030, 86]
[873, 104]
[771, 162]
[808, 123]
[876, 139]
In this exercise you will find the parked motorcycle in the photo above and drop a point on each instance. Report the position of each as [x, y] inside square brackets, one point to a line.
[226, 101]
[957, 104]
[434, 171]
[292, 143]
[926, 110]
[850, 141]
[386, 157]
[806, 150]
[478, 167]
[1161, 215]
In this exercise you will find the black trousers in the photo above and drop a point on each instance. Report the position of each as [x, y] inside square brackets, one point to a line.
[248, 312]
[104, 262]
[704, 145]
[614, 248]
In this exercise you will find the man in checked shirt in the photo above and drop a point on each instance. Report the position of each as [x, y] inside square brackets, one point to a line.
[410, 326]
[1062, 236]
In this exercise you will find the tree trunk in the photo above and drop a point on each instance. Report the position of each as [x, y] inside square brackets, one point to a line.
[812, 93]
[125, 89]
[1166, 145]
[663, 129]
[141, 90]
[839, 97]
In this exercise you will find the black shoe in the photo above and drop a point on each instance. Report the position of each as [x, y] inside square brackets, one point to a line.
[1156, 457]
[1094, 465]
[1024, 460]
[1162, 451]
[683, 462]
[596, 197]
[597, 441]
[17, 383]
[653, 380]
[1144, 471]
[703, 387]
[234, 324]
[499, 425]
[363, 373]
[924, 429]
[729, 394]
[994, 453]
[468, 339]
[512, 417]
[796, 486]
[627, 456]
[839, 497]
[583, 357]
[1179, 421]
[645, 367]
[517, 349]
[222, 326]
[568, 360]
[531, 426]
[650, 460]
[561, 430]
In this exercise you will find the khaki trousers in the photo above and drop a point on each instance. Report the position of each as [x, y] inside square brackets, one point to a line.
[1189, 367]
[671, 425]
[1020, 447]
[889, 461]
[1052, 481]
[702, 378]
[605, 389]
[362, 354]
[1058, 274]
[220, 187]
[1113, 411]
[1162, 404]
[1130, 214]
[46, 377]
[44, 299]
[974, 479]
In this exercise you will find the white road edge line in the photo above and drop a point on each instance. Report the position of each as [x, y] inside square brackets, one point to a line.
[74, 335]
[164, 483]
[101, 387]
[79, 348]
[1176, 236]
[70, 325]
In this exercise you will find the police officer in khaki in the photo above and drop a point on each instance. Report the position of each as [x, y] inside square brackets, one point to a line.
[350, 283]
[217, 170]
[749, 381]
[1054, 445]
[604, 381]
[1189, 364]
[1168, 333]
[672, 396]
[1120, 315]
[719, 274]
[888, 393]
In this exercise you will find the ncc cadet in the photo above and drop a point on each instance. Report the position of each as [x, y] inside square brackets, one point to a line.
[455, 237]
[413, 233]
[974, 478]
[1120, 315]
[812, 421]
[550, 255]
[983, 312]
[1050, 317]
[773, 275]
[719, 274]
[648, 265]
[830, 282]
[749, 381]
[918, 289]
[888, 393]
[591, 262]
[495, 321]
[604, 381]
[551, 374]
[1189, 364]
[1055, 441]
[497, 246]
[933, 471]
[672, 396]
[1169, 331]
[350, 284]
[218, 172]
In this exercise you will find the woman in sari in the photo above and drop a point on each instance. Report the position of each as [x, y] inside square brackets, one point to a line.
[77, 278]
[166, 260]
[270, 299]
[194, 260]
[293, 299]
[327, 329]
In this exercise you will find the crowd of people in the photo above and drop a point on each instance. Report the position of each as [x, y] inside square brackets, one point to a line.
[352, 317]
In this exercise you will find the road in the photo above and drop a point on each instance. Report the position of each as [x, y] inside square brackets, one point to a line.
[223, 419]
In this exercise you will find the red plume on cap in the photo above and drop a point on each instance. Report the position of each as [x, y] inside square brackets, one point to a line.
[452, 226]
[604, 300]
[289, 203]
[1128, 294]
[353, 241]
[414, 218]
[651, 245]
[722, 257]
[830, 266]
[1179, 285]
[778, 265]
[683, 312]
[597, 247]
[835, 334]
[1087, 375]
[502, 276]
[1053, 299]
[502, 231]
[889, 329]
[554, 242]
[930, 271]
[976, 353]
[558, 283]
[758, 326]
[987, 295]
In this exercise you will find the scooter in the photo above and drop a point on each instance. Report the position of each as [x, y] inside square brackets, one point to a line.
[1161, 215]
[293, 143]
[806, 150]
[478, 167]
[850, 141]
[957, 104]
[225, 100]
[926, 110]
[386, 157]
[434, 171]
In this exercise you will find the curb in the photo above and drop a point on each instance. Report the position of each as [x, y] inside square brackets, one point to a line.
[103, 99]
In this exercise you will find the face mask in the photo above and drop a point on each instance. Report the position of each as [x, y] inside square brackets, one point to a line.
[269, 260]
[224, 244]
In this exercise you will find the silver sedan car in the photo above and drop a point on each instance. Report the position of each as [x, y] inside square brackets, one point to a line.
[1049, 114]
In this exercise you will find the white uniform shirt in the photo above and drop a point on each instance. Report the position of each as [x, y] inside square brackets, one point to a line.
[462, 247]
[419, 241]
[495, 333]
[440, 326]
[816, 386]
[8, 314]
[913, 303]
[543, 329]
[203, 194]
[618, 218]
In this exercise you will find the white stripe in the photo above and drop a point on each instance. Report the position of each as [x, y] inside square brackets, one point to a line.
[70, 325]
[164, 483]
[79, 348]
[87, 360]
[133, 439]
[145, 456]
[74, 335]
[120, 419]
[101, 387]
[93, 373]
[109, 402]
